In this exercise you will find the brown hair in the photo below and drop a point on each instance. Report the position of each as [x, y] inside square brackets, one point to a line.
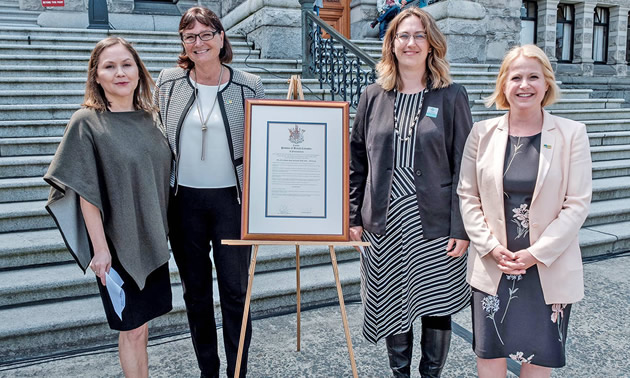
[528, 51]
[209, 18]
[437, 66]
[95, 95]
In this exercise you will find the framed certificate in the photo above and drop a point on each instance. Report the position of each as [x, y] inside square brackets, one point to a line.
[295, 179]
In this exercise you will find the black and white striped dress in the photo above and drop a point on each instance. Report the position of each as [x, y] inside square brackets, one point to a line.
[403, 275]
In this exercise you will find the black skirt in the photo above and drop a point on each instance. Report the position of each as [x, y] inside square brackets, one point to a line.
[140, 305]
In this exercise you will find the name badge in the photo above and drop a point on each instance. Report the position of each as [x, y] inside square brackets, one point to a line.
[432, 112]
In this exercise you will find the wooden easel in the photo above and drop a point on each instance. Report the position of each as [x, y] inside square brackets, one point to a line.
[295, 88]
[252, 269]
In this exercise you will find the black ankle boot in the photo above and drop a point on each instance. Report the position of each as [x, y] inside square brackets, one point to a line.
[435, 344]
[399, 350]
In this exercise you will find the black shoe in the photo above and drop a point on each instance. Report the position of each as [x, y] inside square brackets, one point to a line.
[399, 351]
[373, 24]
[435, 344]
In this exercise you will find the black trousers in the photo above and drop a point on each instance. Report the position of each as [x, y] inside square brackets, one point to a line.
[197, 217]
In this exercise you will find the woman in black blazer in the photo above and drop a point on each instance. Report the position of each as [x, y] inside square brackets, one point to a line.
[406, 147]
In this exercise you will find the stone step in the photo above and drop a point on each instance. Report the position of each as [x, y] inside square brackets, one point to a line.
[39, 111]
[481, 94]
[150, 62]
[78, 83]
[18, 19]
[609, 138]
[616, 152]
[76, 71]
[29, 146]
[32, 128]
[23, 189]
[611, 188]
[574, 114]
[97, 34]
[605, 125]
[79, 323]
[50, 97]
[570, 104]
[611, 168]
[32, 248]
[608, 211]
[24, 216]
[24, 166]
[32, 284]
[82, 52]
[609, 182]
[605, 239]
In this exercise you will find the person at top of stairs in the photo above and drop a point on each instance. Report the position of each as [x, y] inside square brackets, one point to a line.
[110, 176]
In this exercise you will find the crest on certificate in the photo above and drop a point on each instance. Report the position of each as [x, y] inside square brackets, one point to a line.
[296, 135]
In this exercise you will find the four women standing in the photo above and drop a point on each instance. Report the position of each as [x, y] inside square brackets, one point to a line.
[405, 151]
[202, 106]
[521, 208]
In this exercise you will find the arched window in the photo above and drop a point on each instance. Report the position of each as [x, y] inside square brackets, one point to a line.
[529, 21]
[600, 35]
[564, 32]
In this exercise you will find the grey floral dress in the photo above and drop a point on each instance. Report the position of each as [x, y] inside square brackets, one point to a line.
[516, 323]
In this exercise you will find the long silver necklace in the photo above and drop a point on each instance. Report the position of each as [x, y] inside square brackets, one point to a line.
[204, 122]
[398, 129]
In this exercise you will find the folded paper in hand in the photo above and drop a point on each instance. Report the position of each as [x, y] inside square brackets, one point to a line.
[115, 290]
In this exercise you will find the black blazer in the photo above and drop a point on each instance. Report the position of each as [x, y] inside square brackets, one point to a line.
[438, 153]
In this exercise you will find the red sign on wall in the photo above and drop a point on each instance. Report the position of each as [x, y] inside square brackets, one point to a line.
[52, 3]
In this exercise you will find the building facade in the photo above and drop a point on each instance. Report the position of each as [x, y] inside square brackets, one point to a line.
[582, 38]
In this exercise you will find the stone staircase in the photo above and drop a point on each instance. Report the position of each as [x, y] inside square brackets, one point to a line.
[12, 15]
[47, 305]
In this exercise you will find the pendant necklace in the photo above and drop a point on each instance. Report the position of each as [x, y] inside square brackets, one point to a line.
[398, 129]
[204, 123]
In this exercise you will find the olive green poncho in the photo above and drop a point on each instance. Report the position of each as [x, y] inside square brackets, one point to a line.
[119, 162]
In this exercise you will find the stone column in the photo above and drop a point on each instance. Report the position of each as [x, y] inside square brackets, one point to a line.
[583, 45]
[464, 25]
[274, 26]
[503, 23]
[617, 34]
[362, 12]
[546, 33]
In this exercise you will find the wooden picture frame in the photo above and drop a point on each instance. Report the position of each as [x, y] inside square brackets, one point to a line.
[296, 170]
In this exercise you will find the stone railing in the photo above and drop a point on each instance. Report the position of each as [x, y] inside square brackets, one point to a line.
[337, 63]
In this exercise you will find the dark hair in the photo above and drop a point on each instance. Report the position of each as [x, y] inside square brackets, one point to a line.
[95, 95]
[209, 18]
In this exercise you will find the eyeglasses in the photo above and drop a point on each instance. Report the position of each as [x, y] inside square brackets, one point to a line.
[190, 38]
[405, 37]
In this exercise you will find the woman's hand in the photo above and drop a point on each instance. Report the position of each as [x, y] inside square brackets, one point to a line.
[100, 264]
[355, 235]
[526, 259]
[507, 261]
[456, 247]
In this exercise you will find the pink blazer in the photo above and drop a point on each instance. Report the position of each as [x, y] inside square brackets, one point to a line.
[559, 205]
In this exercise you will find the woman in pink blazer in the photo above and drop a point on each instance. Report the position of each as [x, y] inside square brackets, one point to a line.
[525, 190]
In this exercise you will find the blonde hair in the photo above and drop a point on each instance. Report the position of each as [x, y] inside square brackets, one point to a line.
[528, 51]
[437, 71]
[95, 96]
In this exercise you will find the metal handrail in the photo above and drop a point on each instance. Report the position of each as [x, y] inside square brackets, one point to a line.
[335, 61]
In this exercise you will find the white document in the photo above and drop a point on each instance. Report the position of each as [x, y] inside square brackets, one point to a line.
[116, 293]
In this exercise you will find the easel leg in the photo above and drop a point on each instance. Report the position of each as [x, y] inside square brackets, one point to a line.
[342, 306]
[297, 280]
[248, 297]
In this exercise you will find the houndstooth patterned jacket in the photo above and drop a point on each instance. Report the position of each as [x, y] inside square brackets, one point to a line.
[175, 95]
